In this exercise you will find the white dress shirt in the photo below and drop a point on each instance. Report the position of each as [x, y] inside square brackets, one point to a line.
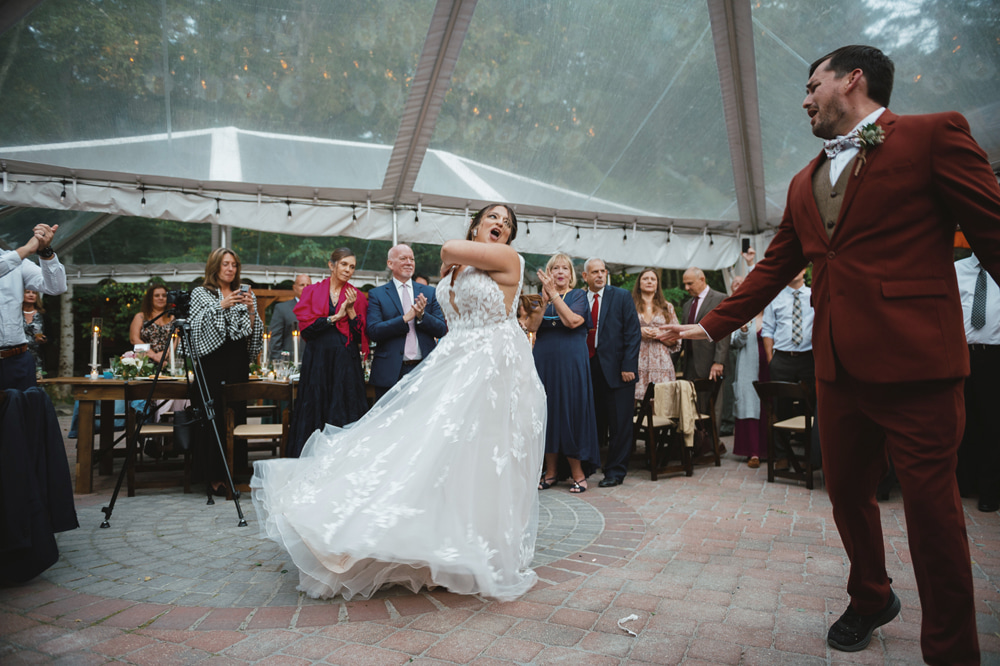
[844, 157]
[404, 295]
[967, 271]
[16, 275]
[590, 306]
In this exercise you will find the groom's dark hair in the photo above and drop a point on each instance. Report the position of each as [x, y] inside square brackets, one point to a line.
[479, 218]
[877, 67]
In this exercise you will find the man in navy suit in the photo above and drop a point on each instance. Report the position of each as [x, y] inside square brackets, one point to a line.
[614, 361]
[404, 320]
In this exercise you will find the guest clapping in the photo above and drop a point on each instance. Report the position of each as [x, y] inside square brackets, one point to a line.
[34, 325]
[331, 316]
[227, 334]
[149, 325]
[563, 364]
[654, 311]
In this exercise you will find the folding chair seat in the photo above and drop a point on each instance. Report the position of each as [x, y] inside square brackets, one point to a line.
[708, 394]
[656, 423]
[270, 437]
[134, 458]
[798, 427]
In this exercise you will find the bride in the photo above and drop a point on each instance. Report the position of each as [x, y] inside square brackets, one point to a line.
[436, 485]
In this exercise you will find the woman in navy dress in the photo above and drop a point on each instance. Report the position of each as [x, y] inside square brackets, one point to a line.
[563, 363]
[331, 317]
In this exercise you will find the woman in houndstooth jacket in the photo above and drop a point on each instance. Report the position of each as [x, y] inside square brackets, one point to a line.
[226, 332]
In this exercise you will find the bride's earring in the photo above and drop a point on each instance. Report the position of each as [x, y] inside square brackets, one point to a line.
[475, 232]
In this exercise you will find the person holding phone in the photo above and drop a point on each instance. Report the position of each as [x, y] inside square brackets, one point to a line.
[227, 333]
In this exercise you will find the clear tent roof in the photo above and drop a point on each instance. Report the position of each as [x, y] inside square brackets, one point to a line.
[683, 112]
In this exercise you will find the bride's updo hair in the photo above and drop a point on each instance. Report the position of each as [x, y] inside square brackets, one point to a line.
[479, 218]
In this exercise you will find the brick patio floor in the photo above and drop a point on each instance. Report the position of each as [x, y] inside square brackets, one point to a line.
[719, 568]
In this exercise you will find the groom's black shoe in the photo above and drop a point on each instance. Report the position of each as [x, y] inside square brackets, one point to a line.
[853, 631]
[608, 482]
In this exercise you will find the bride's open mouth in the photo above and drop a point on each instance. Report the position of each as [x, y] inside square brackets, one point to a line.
[495, 233]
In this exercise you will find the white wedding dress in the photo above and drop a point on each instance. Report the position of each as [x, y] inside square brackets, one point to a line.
[437, 484]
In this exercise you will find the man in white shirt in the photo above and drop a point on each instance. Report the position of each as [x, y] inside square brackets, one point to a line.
[17, 366]
[404, 322]
[787, 334]
[979, 453]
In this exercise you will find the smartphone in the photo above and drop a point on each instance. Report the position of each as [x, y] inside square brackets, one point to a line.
[746, 244]
[244, 288]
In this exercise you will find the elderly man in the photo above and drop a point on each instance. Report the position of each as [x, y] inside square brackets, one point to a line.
[875, 213]
[404, 320]
[614, 362]
[703, 359]
[17, 366]
[283, 320]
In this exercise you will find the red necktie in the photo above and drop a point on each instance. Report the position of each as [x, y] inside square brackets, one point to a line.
[592, 333]
[693, 314]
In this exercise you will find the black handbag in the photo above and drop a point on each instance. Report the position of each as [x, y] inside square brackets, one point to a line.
[188, 428]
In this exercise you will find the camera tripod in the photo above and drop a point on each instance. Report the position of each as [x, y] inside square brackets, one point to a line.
[204, 409]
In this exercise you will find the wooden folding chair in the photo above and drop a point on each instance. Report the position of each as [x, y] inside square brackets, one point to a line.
[271, 437]
[663, 441]
[798, 427]
[133, 456]
[708, 394]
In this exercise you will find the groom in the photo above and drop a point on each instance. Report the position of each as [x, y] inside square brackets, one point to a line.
[877, 217]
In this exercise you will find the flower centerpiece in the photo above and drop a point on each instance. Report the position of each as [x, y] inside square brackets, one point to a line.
[870, 136]
[130, 366]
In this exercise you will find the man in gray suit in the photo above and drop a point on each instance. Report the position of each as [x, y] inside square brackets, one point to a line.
[702, 359]
[283, 321]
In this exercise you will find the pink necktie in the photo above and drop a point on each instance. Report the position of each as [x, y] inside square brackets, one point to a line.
[410, 347]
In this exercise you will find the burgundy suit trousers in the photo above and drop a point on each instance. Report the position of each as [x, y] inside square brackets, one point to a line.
[919, 424]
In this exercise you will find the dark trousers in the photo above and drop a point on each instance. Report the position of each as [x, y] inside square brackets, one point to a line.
[17, 372]
[979, 454]
[227, 364]
[613, 407]
[404, 370]
[920, 425]
[798, 367]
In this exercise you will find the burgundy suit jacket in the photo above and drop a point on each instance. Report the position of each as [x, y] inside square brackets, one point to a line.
[884, 288]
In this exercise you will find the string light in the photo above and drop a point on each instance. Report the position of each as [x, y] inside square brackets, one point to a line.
[527, 228]
[624, 233]
[143, 202]
[217, 211]
[577, 232]
[354, 213]
[62, 197]
[289, 203]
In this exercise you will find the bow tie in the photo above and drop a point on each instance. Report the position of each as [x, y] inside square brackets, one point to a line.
[834, 146]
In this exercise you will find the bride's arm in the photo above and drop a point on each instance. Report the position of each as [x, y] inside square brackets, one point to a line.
[500, 261]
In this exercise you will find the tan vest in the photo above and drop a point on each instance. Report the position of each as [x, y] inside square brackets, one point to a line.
[829, 198]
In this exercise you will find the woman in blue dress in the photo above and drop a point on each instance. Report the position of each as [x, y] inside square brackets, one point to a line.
[563, 363]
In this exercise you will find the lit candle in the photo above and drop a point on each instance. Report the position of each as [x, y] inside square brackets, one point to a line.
[94, 344]
[173, 358]
[264, 350]
[295, 346]
[93, 373]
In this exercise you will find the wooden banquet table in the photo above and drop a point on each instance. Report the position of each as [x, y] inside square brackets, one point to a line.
[89, 392]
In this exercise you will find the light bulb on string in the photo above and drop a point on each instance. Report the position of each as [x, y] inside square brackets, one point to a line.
[217, 211]
[142, 203]
[62, 197]
[577, 232]
[288, 202]
[354, 213]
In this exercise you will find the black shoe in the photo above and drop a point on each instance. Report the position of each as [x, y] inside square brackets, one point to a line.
[608, 482]
[852, 632]
[988, 505]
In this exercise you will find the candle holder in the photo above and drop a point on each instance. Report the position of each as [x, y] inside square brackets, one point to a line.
[95, 371]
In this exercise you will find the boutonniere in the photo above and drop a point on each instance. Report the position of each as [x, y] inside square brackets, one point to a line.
[870, 136]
